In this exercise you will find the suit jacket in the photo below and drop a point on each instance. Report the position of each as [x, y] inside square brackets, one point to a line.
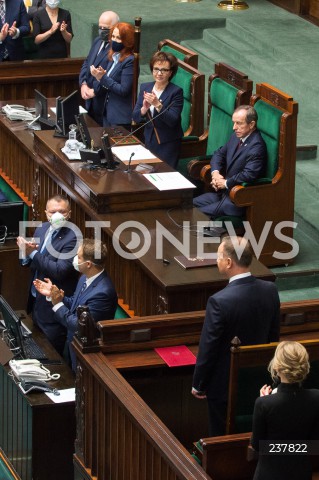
[248, 308]
[59, 270]
[100, 296]
[244, 164]
[289, 416]
[167, 123]
[15, 11]
[118, 86]
[95, 105]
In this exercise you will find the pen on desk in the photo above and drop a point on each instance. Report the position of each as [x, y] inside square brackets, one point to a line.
[155, 179]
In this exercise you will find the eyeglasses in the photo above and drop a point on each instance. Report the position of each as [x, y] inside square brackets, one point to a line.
[161, 70]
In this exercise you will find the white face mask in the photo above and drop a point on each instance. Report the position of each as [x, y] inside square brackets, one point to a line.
[53, 3]
[57, 220]
[76, 263]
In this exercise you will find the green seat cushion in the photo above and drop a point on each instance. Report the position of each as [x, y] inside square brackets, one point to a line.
[167, 49]
[269, 119]
[183, 80]
[223, 99]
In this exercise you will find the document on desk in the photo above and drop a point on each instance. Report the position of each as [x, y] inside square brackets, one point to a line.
[168, 180]
[141, 153]
[66, 395]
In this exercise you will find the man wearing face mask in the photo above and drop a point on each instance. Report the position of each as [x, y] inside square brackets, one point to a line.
[50, 254]
[94, 289]
[94, 99]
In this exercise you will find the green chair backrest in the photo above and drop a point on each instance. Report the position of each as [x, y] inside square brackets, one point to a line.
[12, 196]
[223, 98]
[268, 124]
[179, 55]
[183, 80]
[249, 382]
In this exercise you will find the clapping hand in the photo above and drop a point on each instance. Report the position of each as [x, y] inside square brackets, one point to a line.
[43, 287]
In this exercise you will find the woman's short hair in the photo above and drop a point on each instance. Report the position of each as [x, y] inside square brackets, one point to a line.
[292, 360]
[164, 57]
[126, 31]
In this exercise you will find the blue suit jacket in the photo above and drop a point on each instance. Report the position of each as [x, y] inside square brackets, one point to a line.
[15, 11]
[237, 165]
[244, 164]
[118, 86]
[60, 271]
[167, 123]
[95, 105]
[101, 298]
[248, 308]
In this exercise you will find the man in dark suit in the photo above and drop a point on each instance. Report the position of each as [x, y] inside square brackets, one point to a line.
[50, 255]
[248, 308]
[94, 289]
[94, 98]
[242, 159]
[14, 24]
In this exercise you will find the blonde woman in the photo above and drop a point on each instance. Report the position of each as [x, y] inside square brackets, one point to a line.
[286, 421]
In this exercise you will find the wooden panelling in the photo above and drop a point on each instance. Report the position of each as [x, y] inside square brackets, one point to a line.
[52, 77]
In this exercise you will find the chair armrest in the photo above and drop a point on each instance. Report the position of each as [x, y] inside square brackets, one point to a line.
[193, 146]
[195, 166]
[259, 181]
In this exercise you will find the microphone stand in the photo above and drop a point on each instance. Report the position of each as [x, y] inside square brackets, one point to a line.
[142, 126]
[129, 170]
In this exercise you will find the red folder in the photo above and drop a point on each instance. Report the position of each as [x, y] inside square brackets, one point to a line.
[176, 356]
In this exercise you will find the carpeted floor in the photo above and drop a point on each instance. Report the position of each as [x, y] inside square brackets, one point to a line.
[268, 44]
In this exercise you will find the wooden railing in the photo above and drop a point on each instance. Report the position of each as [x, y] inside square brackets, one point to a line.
[52, 77]
[118, 435]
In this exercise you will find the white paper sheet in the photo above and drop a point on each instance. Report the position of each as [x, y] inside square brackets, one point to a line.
[67, 395]
[168, 181]
[140, 153]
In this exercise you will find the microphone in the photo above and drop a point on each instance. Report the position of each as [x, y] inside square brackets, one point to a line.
[143, 125]
[128, 170]
[111, 163]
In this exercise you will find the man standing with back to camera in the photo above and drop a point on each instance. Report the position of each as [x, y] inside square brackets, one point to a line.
[94, 102]
[248, 308]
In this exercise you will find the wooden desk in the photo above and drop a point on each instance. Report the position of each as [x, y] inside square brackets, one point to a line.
[152, 287]
[146, 284]
[36, 434]
[105, 191]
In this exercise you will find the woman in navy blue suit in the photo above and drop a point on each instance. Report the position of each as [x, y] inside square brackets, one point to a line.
[115, 74]
[162, 103]
[286, 419]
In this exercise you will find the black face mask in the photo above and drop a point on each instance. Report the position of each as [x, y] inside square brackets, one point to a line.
[117, 46]
[104, 34]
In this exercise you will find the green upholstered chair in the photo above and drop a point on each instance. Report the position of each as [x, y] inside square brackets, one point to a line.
[192, 83]
[270, 199]
[180, 52]
[228, 88]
